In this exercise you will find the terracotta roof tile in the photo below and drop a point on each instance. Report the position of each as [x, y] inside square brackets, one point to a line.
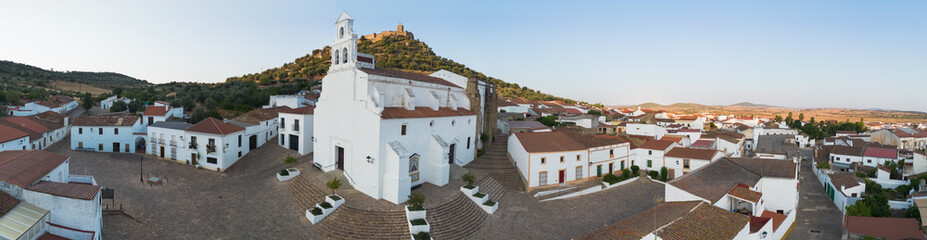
[393, 73]
[704, 144]
[25, 167]
[768, 167]
[28, 123]
[156, 110]
[757, 223]
[692, 153]
[844, 179]
[743, 192]
[716, 179]
[887, 228]
[214, 126]
[881, 152]
[643, 223]
[7, 203]
[423, 112]
[307, 110]
[257, 116]
[112, 121]
[68, 190]
[548, 142]
[776, 217]
[657, 145]
[8, 133]
[705, 222]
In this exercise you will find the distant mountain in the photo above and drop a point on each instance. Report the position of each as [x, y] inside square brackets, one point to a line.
[749, 104]
[19, 74]
[391, 51]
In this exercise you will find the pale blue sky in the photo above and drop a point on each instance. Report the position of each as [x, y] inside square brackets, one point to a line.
[859, 54]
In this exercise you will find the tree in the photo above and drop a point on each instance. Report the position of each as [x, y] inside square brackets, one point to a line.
[334, 184]
[87, 101]
[12, 97]
[913, 212]
[801, 117]
[594, 112]
[778, 118]
[198, 115]
[211, 104]
[549, 121]
[469, 178]
[859, 209]
[712, 125]
[290, 160]
[416, 201]
[664, 173]
[788, 119]
[119, 106]
[135, 106]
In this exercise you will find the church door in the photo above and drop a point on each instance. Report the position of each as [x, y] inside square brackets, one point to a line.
[450, 153]
[339, 157]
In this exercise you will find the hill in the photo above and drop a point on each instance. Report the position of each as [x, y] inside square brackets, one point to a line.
[33, 83]
[391, 51]
[769, 111]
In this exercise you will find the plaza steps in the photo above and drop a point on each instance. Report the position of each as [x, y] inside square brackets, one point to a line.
[351, 223]
[495, 163]
[458, 219]
[306, 194]
[491, 187]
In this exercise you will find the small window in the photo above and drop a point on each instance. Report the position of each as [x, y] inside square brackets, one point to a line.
[561, 159]
[239, 144]
[211, 160]
[649, 163]
[611, 153]
[649, 152]
[685, 163]
[116, 131]
[239, 153]
[403, 130]
[468, 142]
[341, 33]
[100, 131]
[432, 123]
[577, 157]
[80, 130]
[453, 122]
[544, 160]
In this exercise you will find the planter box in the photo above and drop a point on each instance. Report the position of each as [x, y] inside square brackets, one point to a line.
[293, 173]
[313, 218]
[414, 214]
[470, 192]
[480, 200]
[335, 203]
[418, 228]
[324, 210]
[489, 209]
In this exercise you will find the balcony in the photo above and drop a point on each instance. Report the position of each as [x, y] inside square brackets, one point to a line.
[154, 140]
[160, 140]
[282, 126]
[210, 148]
[173, 143]
[82, 179]
[295, 127]
[192, 145]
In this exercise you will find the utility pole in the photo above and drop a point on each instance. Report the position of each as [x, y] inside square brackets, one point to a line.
[141, 161]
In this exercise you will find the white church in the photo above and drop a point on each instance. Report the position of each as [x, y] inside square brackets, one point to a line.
[386, 129]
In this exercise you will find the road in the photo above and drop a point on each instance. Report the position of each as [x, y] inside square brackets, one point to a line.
[818, 217]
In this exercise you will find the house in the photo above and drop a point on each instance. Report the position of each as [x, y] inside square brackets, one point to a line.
[692, 134]
[214, 144]
[155, 114]
[646, 130]
[703, 144]
[108, 102]
[57, 103]
[762, 131]
[765, 190]
[842, 188]
[511, 107]
[649, 155]
[524, 126]
[13, 139]
[585, 121]
[882, 228]
[301, 99]
[873, 156]
[167, 141]
[729, 142]
[260, 125]
[869, 155]
[682, 140]
[607, 129]
[389, 130]
[549, 158]
[681, 220]
[42, 200]
[692, 122]
[777, 147]
[296, 128]
[42, 133]
[680, 161]
[107, 134]
[918, 164]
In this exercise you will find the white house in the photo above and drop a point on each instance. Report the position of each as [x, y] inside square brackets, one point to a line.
[107, 133]
[919, 164]
[760, 131]
[842, 188]
[550, 158]
[260, 125]
[42, 199]
[296, 129]
[108, 102]
[843, 156]
[510, 107]
[166, 140]
[649, 155]
[585, 121]
[57, 103]
[13, 139]
[680, 161]
[729, 142]
[692, 122]
[214, 144]
[301, 99]
[388, 130]
[651, 130]
[42, 133]
[161, 113]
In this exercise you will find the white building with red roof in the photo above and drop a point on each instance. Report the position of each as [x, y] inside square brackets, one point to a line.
[158, 113]
[57, 103]
[108, 134]
[296, 128]
[551, 158]
[108, 102]
[388, 130]
[213, 144]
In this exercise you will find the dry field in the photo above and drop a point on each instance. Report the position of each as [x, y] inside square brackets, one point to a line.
[77, 87]
[819, 114]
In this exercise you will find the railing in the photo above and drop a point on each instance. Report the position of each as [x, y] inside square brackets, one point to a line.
[282, 126]
[210, 148]
[161, 140]
[154, 140]
[74, 178]
[173, 143]
[192, 145]
[295, 127]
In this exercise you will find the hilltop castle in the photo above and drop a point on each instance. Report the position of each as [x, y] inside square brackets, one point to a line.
[400, 31]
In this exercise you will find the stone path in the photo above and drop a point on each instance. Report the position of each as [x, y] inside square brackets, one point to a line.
[818, 217]
[495, 163]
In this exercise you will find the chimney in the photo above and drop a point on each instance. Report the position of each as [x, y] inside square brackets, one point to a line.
[400, 28]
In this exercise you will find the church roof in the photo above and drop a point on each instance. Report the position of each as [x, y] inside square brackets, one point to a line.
[423, 112]
[393, 73]
[344, 15]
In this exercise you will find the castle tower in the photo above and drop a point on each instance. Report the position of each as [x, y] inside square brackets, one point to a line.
[344, 48]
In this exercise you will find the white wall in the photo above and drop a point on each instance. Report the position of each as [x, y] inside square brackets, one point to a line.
[91, 138]
[80, 214]
[16, 144]
[779, 193]
[304, 135]
[646, 130]
[641, 156]
[519, 155]
[674, 194]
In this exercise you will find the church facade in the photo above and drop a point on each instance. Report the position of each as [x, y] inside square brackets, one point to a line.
[386, 129]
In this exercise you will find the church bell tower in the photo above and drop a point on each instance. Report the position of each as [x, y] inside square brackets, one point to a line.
[344, 48]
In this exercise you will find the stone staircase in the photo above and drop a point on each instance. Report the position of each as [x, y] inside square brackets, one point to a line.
[495, 163]
[491, 187]
[457, 219]
[348, 222]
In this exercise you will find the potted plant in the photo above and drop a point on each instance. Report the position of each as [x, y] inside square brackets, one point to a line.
[490, 206]
[326, 207]
[335, 200]
[415, 206]
[479, 198]
[315, 215]
[288, 173]
[418, 225]
[421, 236]
[469, 189]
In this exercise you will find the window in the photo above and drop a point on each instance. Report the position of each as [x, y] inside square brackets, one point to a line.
[239, 144]
[649, 163]
[561, 159]
[80, 130]
[116, 131]
[453, 122]
[611, 153]
[685, 163]
[543, 160]
[282, 123]
[649, 152]
[579, 172]
[869, 161]
[345, 52]
[295, 124]
[100, 147]
[336, 55]
[468, 142]
[211, 160]
[239, 153]
[577, 157]
[101, 131]
[403, 130]
[341, 33]
[542, 178]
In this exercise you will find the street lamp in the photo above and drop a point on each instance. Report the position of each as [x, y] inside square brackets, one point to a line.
[141, 168]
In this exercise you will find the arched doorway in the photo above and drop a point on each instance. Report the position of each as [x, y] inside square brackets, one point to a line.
[140, 145]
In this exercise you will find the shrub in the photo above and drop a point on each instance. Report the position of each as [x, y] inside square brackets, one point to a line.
[823, 165]
[862, 175]
[422, 236]
[654, 174]
[415, 208]
[316, 211]
[635, 171]
[625, 173]
[479, 195]
[489, 203]
[418, 221]
[610, 179]
[290, 160]
[480, 152]
[664, 173]
[470, 179]
[416, 201]
[334, 184]
[284, 172]
[335, 197]
[325, 205]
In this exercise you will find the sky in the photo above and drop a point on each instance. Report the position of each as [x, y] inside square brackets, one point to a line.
[802, 54]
